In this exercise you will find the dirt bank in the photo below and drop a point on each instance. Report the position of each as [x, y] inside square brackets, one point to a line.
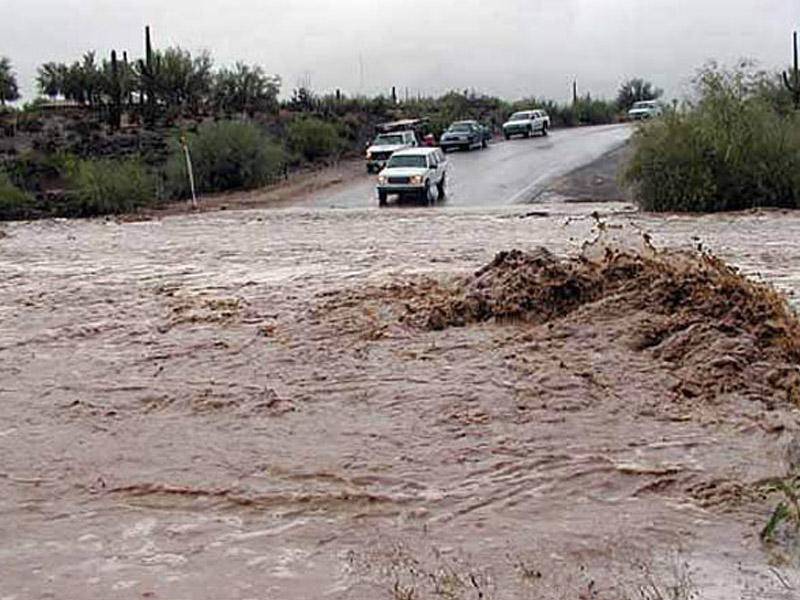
[595, 182]
[354, 404]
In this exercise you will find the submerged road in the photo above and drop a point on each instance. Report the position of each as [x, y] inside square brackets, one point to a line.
[505, 173]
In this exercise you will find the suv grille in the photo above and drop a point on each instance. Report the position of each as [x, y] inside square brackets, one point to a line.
[397, 180]
[381, 155]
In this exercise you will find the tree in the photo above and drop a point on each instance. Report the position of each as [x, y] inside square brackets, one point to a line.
[636, 90]
[51, 77]
[303, 100]
[74, 88]
[183, 80]
[9, 91]
[91, 79]
[82, 81]
[245, 89]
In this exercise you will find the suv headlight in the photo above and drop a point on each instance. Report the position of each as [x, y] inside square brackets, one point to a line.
[417, 179]
[382, 179]
[369, 155]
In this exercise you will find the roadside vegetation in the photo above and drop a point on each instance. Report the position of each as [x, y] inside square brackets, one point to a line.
[226, 155]
[88, 188]
[312, 139]
[106, 186]
[15, 203]
[736, 146]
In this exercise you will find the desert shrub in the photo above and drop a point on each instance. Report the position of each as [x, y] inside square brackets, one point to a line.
[15, 203]
[29, 170]
[99, 187]
[313, 139]
[226, 155]
[592, 111]
[586, 111]
[772, 90]
[729, 151]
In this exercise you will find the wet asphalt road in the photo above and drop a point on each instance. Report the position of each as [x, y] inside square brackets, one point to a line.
[505, 173]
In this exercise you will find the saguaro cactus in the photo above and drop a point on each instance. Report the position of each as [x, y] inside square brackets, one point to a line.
[116, 93]
[126, 79]
[792, 82]
[148, 68]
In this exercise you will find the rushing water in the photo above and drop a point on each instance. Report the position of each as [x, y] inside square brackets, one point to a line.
[198, 407]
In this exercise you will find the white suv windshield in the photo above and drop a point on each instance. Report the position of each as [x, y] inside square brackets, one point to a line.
[644, 105]
[521, 116]
[408, 160]
[389, 140]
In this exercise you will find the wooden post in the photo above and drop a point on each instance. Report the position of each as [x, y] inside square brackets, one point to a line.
[189, 170]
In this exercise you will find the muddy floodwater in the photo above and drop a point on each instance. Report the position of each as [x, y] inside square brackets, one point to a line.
[242, 406]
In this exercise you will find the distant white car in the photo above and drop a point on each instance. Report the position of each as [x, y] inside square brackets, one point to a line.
[419, 172]
[645, 109]
[386, 144]
[526, 123]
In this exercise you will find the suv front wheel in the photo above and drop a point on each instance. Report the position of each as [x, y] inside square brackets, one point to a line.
[441, 187]
[426, 196]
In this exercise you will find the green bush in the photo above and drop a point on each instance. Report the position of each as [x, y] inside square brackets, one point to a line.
[586, 111]
[14, 202]
[730, 151]
[226, 155]
[313, 139]
[591, 111]
[99, 187]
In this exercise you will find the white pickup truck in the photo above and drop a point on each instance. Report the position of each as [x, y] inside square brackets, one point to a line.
[526, 123]
[386, 144]
[420, 172]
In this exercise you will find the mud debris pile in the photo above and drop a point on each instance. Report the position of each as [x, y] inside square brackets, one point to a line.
[692, 310]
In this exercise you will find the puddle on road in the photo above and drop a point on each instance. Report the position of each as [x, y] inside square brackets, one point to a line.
[294, 404]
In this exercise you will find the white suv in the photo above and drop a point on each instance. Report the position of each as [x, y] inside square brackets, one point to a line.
[644, 109]
[386, 144]
[421, 172]
[526, 123]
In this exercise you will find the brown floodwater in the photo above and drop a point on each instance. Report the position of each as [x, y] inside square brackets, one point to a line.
[231, 406]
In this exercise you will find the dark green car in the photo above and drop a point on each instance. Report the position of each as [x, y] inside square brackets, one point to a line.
[465, 135]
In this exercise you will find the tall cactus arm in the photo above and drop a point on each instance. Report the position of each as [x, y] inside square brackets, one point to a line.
[792, 82]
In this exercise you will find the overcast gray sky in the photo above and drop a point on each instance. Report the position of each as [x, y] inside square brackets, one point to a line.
[513, 48]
